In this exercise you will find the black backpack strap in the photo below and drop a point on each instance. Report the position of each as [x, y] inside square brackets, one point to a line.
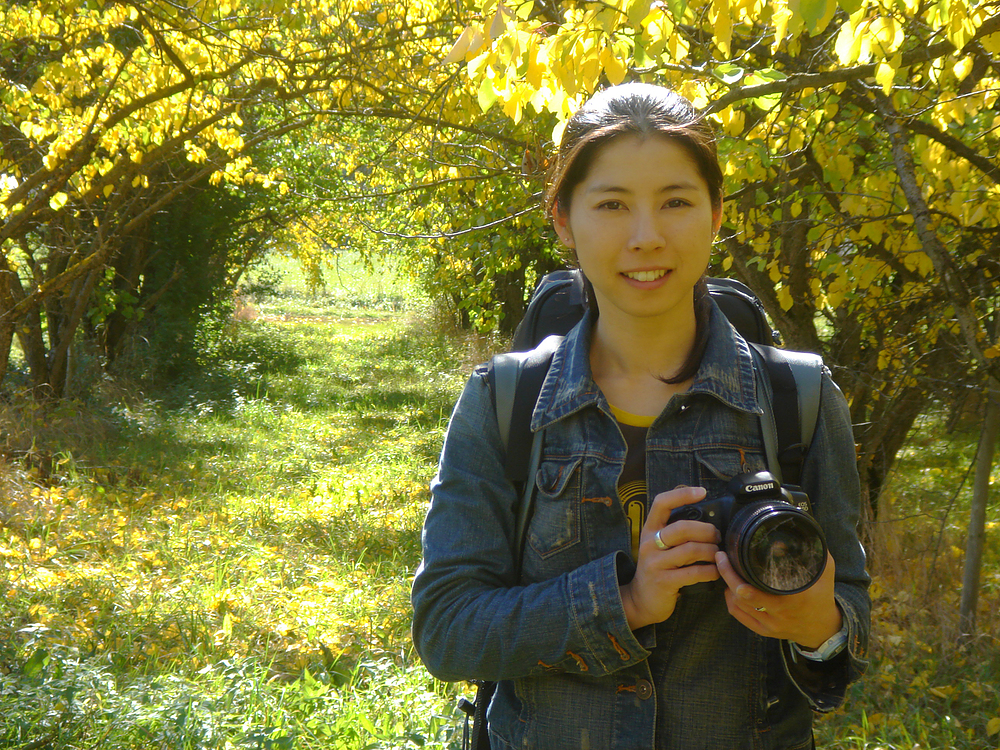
[790, 419]
[516, 379]
[556, 305]
[743, 309]
[478, 737]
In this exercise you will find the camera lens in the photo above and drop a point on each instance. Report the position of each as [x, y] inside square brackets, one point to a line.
[776, 547]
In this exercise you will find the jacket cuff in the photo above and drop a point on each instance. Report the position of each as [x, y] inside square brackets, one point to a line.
[825, 683]
[597, 609]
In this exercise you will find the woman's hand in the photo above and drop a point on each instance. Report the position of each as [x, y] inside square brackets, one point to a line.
[689, 557]
[809, 617]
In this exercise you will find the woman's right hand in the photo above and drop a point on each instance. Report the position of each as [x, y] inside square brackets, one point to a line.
[652, 594]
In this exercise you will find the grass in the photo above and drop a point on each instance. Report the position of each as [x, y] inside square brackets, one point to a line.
[226, 564]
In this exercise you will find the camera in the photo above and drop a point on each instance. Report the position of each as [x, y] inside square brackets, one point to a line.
[771, 539]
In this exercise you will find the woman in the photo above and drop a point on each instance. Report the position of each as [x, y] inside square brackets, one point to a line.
[620, 630]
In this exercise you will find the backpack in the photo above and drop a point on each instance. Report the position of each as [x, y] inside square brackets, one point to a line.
[516, 377]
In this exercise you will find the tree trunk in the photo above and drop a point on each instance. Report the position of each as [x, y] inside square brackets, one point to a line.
[977, 516]
[6, 340]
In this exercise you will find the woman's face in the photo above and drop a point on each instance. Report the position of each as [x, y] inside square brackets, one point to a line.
[642, 225]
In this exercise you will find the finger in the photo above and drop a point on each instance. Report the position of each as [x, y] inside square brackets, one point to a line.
[692, 574]
[728, 572]
[741, 595]
[756, 621]
[681, 532]
[664, 502]
[689, 553]
[744, 595]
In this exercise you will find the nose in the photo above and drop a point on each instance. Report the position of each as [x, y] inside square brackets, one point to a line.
[647, 234]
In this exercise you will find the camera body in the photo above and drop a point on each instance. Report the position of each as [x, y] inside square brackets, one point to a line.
[768, 532]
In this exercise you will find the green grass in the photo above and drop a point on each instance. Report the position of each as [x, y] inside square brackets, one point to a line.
[226, 564]
[230, 566]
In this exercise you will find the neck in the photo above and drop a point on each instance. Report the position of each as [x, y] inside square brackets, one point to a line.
[629, 347]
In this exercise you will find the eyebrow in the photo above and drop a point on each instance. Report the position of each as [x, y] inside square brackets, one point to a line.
[679, 186]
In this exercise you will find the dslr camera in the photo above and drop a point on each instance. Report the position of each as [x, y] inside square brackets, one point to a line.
[770, 537]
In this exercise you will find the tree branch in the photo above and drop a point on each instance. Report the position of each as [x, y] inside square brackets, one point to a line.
[801, 81]
[929, 240]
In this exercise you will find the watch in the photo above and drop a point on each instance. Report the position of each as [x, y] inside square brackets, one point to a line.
[828, 649]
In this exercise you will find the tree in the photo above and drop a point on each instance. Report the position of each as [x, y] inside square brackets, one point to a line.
[860, 140]
[110, 111]
[452, 197]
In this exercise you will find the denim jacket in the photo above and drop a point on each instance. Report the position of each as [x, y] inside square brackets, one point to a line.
[571, 672]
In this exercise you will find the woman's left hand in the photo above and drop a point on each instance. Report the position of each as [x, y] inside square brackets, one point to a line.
[809, 617]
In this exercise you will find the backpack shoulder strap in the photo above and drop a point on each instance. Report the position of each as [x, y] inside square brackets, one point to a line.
[789, 420]
[556, 305]
[516, 378]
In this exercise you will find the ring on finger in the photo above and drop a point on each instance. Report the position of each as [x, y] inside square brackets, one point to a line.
[658, 541]
[761, 609]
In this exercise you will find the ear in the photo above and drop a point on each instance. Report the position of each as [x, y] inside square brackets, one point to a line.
[560, 220]
[716, 220]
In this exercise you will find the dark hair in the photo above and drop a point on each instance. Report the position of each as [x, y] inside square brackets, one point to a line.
[631, 109]
[639, 109]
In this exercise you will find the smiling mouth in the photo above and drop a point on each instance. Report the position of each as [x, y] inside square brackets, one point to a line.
[646, 275]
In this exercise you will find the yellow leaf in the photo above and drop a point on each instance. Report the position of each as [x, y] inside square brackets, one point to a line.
[614, 68]
[460, 47]
[993, 726]
[884, 75]
[991, 42]
[557, 131]
[844, 165]
[499, 25]
[57, 201]
[382, 18]
[785, 298]
[108, 190]
[962, 67]
[782, 15]
[722, 24]
[845, 47]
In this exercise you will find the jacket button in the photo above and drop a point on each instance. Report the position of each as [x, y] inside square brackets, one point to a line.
[644, 689]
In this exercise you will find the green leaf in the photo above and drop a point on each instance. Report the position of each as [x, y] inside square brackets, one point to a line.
[487, 95]
[729, 73]
[813, 11]
[850, 6]
[637, 10]
[367, 724]
[770, 74]
[36, 663]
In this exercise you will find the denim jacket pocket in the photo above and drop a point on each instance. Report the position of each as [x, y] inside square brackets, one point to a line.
[716, 466]
[555, 523]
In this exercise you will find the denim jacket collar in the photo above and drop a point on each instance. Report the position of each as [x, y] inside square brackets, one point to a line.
[569, 385]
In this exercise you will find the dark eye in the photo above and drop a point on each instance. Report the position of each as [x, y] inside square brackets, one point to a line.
[612, 205]
[676, 203]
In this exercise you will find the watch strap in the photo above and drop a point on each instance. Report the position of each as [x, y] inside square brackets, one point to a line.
[827, 650]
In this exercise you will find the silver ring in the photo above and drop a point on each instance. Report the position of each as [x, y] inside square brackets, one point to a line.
[658, 541]
[761, 609]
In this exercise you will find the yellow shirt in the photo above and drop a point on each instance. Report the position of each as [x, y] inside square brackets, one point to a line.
[632, 490]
